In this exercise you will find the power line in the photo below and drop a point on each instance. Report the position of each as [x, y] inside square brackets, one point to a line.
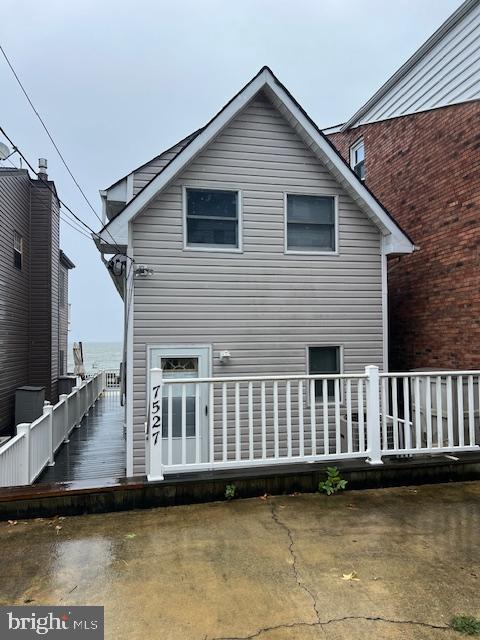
[48, 132]
[52, 140]
[70, 224]
[63, 215]
[77, 218]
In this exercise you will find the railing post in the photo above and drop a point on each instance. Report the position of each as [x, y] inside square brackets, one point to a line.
[154, 426]
[78, 407]
[24, 428]
[373, 415]
[48, 409]
[66, 427]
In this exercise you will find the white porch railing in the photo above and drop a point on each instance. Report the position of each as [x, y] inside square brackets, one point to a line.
[213, 423]
[24, 456]
[112, 378]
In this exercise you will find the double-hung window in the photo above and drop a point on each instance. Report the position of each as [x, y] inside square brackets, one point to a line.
[357, 158]
[17, 250]
[324, 360]
[311, 224]
[62, 287]
[212, 219]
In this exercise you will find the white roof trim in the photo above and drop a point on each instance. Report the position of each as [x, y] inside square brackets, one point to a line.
[397, 242]
[420, 53]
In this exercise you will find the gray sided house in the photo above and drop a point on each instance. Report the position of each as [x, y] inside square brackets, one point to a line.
[34, 289]
[253, 249]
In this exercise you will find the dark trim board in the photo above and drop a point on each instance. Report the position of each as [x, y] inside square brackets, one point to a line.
[122, 494]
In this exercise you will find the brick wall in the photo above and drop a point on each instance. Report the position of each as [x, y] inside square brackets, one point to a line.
[425, 169]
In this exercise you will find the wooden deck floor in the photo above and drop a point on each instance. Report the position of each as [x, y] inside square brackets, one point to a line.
[96, 449]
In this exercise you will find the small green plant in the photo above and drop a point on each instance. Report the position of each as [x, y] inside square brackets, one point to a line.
[230, 491]
[333, 483]
[467, 625]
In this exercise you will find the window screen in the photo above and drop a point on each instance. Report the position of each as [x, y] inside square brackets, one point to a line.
[212, 218]
[324, 360]
[311, 223]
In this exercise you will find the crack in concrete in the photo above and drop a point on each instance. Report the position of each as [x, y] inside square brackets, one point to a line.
[291, 550]
[322, 623]
[319, 622]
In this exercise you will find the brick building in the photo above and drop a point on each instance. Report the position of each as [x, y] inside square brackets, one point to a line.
[416, 143]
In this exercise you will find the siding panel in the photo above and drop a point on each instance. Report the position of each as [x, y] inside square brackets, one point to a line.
[14, 287]
[448, 74]
[262, 305]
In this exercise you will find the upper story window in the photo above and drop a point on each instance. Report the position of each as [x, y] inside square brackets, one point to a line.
[212, 219]
[357, 158]
[311, 224]
[324, 360]
[17, 250]
[62, 287]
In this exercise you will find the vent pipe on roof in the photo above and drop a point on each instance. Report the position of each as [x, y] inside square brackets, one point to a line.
[42, 169]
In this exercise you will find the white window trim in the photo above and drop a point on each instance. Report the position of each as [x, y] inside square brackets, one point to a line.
[353, 148]
[319, 403]
[18, 237]
[311, 252]
[213, 248]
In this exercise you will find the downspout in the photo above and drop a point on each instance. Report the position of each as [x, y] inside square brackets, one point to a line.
[384, 278]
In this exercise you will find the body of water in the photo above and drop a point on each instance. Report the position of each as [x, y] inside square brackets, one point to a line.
[98, 355]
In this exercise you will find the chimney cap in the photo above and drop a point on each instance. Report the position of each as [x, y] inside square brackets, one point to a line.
[42, 168]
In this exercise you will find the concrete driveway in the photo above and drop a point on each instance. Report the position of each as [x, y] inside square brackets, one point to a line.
[270, 568]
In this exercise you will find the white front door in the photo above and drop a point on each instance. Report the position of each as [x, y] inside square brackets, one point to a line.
[183, 362]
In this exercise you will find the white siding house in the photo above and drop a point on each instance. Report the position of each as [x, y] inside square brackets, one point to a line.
[254, 250]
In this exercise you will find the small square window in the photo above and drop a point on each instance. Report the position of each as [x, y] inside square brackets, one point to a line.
[212, 218]
[324, 360]
[311, 223]
[17, 250]
[357, 158]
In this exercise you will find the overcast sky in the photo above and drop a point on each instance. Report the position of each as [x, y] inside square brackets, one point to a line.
[117, 82]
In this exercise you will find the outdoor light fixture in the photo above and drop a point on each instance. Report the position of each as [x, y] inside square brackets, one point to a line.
[224, 357]
[142, 271]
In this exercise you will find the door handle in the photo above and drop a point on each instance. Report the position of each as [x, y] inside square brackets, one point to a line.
[206, 409]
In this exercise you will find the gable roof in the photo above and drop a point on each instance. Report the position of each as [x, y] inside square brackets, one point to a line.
[184, 141]
[419, 55]
[397, 241]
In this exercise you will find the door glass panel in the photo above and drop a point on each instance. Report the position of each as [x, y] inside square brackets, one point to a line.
[179, 368]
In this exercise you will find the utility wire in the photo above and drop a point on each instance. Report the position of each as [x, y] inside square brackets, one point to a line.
[52, 140]
[48, 132]
[77, 218]
[63, 214]
[70, 224]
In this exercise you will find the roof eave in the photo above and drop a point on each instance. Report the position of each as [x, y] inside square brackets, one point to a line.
[420, 53]
[118, 226]
[65, 260]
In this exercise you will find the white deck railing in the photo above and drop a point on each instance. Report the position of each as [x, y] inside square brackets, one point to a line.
[24, 456]
[212, 423]
[111, 378]
[433, 412]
